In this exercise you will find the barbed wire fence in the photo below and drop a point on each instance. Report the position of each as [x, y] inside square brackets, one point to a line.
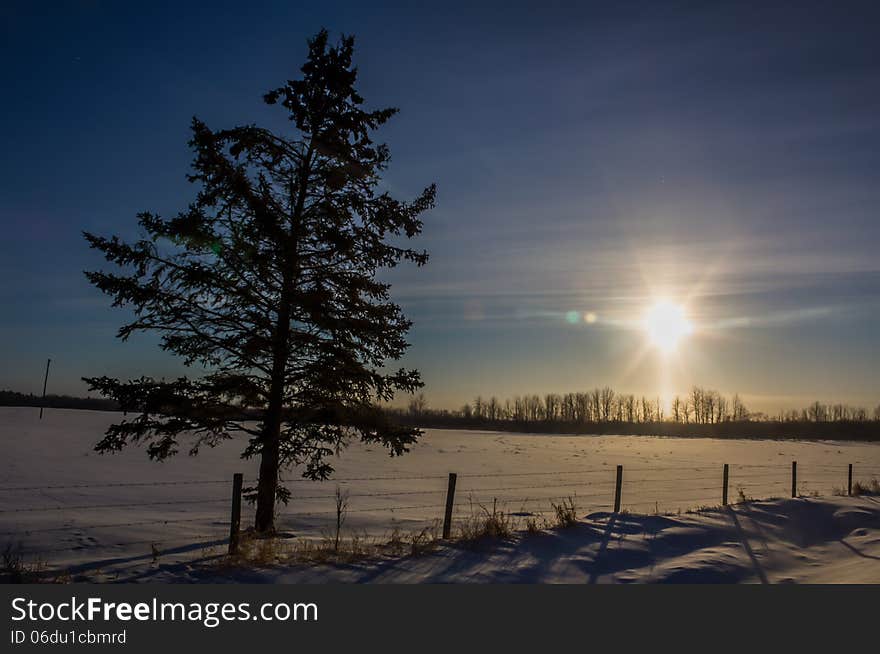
[181, 524]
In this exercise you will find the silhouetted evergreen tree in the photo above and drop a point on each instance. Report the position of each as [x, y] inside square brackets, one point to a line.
[268, 281]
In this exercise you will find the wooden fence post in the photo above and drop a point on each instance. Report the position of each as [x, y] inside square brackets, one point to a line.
[724, 487]
[617, 488]
[235, 518]
[45, 381]
[849, 481]
[450, 502]
[794, 478]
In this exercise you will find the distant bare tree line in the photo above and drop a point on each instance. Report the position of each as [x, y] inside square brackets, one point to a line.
[13, 398]
[604, 405]
[600, 409]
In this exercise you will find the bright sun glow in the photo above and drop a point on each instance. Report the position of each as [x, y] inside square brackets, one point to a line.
[666, 325]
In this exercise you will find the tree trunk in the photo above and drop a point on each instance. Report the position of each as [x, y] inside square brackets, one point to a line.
[269, 455]
[269, 460]
[268, 483]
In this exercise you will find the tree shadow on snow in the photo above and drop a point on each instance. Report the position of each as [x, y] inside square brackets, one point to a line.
[857, 551]
[744, 540]
[108, 562]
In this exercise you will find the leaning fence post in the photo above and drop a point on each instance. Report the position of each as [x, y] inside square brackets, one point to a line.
[617, 488]
[45, 381]
[724, 487]
[849, 481]
[794, 478]
[450, 502]
[235, 518]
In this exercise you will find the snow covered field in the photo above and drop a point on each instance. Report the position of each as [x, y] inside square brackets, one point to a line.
[109, 516]
[806, 540]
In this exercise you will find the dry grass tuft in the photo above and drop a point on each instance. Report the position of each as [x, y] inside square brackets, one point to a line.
[566, 513]
[707, 508]
[332, 547]
[532, 526]
[867, 487]
[14, 568]
[485, 524]
[258, 550]
[743, 498]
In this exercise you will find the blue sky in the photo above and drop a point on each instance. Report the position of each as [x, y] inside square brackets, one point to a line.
[588, 159]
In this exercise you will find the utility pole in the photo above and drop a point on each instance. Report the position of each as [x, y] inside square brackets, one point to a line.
[45, 381]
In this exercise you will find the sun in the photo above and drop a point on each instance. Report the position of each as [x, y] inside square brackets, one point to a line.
[666, 324]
